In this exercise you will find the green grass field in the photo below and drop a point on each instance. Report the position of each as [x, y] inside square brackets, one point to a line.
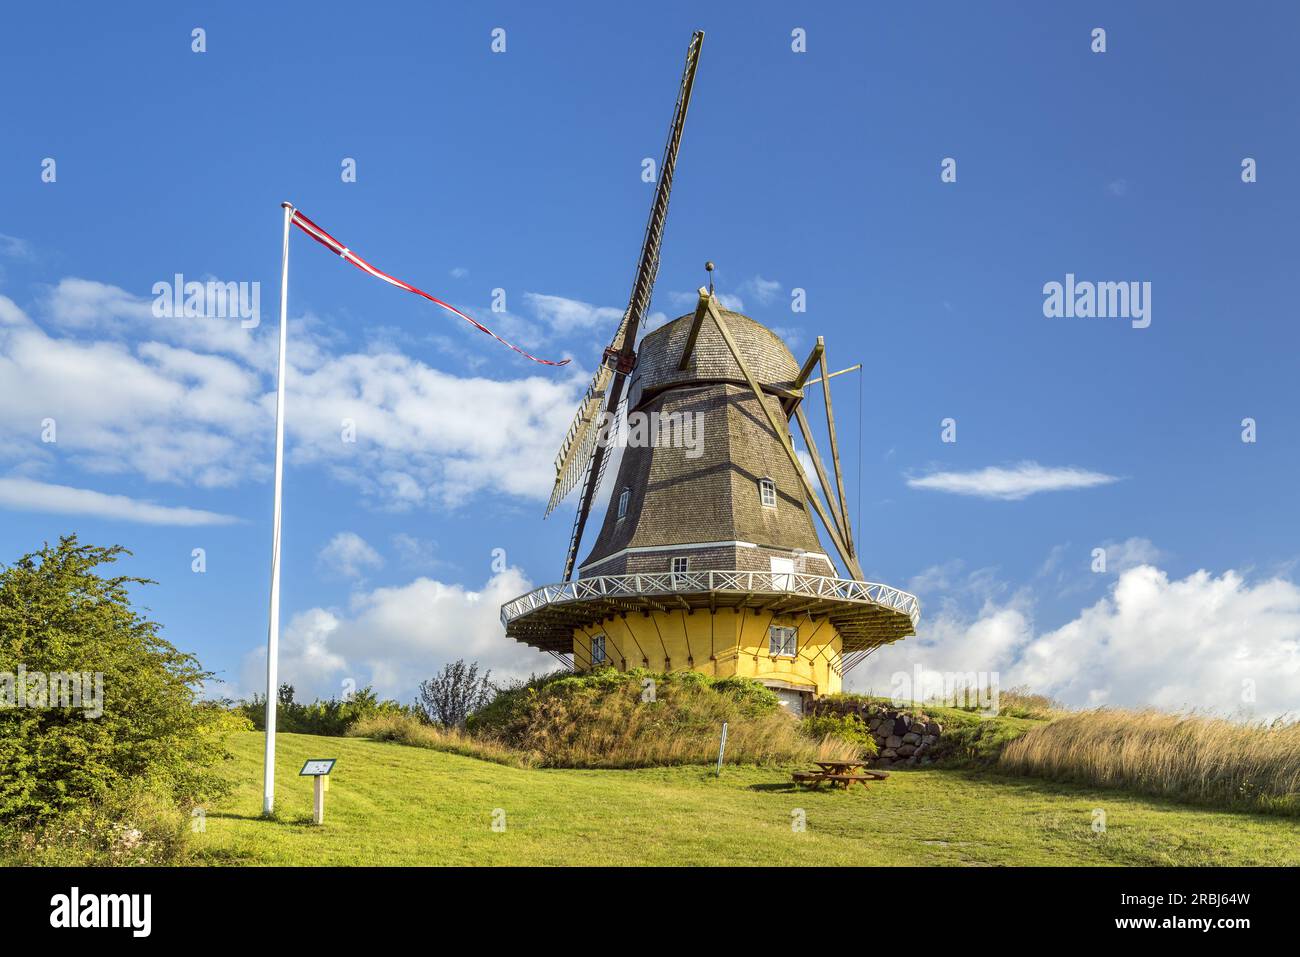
[392, 804]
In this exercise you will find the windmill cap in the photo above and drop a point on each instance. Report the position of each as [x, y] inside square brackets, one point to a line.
[765, 354]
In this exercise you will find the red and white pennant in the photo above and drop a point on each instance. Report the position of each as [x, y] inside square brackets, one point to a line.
[329, 242]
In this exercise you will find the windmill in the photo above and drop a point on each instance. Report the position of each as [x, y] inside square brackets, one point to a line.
[708, 557]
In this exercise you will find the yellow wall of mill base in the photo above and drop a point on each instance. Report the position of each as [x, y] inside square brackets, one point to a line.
[721, 643]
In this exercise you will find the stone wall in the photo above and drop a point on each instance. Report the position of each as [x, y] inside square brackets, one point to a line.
[903, 736]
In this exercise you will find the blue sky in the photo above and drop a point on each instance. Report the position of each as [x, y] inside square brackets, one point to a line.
[521, 171]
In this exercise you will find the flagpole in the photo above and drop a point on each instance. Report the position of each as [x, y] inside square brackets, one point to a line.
[273, 633]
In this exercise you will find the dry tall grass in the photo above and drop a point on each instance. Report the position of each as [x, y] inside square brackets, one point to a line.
[1190, 757]
[404, 729]
[615, 729]
[1022, 702]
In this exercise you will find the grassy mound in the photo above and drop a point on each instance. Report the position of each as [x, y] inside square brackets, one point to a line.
[628, 719]
[1189, 757]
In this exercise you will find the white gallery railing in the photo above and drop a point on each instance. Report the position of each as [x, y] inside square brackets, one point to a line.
[674, 583]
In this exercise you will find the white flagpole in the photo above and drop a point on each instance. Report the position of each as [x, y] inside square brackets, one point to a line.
[273, 635]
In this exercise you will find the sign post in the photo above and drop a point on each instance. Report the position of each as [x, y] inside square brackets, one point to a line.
[319, 768]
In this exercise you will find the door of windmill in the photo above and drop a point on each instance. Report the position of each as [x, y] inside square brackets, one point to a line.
[782, 574]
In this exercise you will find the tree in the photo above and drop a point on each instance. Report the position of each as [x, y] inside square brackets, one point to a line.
[137, 724]
[456, 692]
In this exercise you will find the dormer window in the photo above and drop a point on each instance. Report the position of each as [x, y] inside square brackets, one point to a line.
[623, 497]
[767, 492]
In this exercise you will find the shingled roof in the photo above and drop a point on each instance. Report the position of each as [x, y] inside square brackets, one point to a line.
[711, 361]
[710, 494]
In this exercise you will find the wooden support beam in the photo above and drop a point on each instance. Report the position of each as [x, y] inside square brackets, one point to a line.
[834, 374]
[807, 606]
[770, 606]
[787, 396]
[809, 441]
[781, 428]
[835, 453]
[694, 334]
[791, 402]
[814, 357]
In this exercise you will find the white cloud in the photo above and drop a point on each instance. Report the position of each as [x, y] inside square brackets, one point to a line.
[682, 301]
[764, 290]
[348, 555]
[11, 247]
[395, 637]
[415, 552]
[426, 437]
[570, 315]
[459, 272]
[1198, 642]
[809, 470]
[193, 403]
[84, 305]
[1130, 553]
[161, 411]
[1012, 483]
[32, 496]
[949, 583]
[755, 288]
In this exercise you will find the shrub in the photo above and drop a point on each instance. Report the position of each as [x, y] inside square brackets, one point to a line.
[59, 615]
[1188, 757]
[849, 728]
[132, 828]
[971, 739]
[333, 718]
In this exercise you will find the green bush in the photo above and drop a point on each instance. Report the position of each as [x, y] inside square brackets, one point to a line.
[846, 727]
[58, 615]
[133, 828]
[333, 717]
[969, 739]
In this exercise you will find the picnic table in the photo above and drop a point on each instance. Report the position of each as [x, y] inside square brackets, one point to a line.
[839, 773]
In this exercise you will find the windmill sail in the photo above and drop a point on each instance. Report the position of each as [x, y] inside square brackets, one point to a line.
[581, 456]
[575, 451]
